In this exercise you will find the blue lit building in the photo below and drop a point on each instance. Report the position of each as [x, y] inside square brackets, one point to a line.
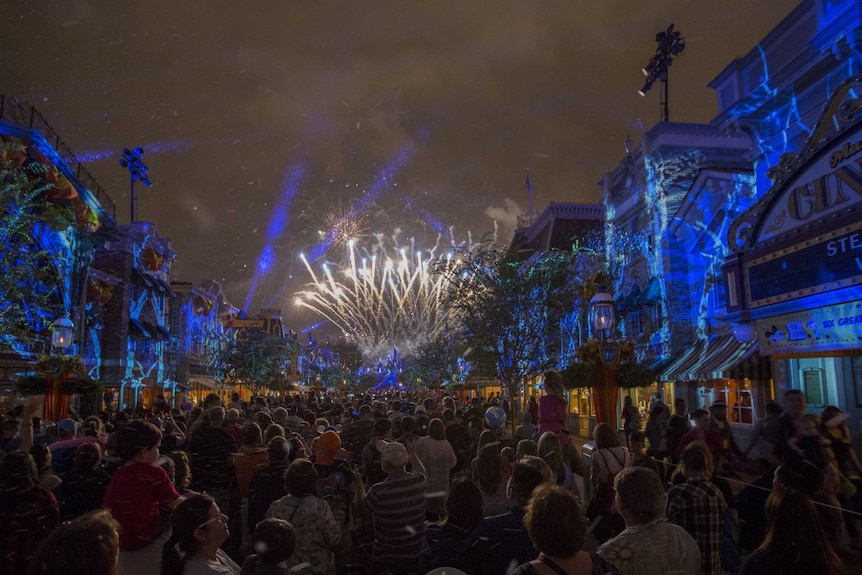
[697, 231]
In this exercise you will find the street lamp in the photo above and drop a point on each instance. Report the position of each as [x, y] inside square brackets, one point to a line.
[63, 329]
[132, 161]
[602, 323]
[670, 44]
[602, 315]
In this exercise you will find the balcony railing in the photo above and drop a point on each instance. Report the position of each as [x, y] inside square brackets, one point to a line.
[18, 112]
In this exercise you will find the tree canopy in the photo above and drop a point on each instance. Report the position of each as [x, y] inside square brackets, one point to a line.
[258, 360]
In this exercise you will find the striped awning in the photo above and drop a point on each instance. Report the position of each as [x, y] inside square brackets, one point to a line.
[713, 358]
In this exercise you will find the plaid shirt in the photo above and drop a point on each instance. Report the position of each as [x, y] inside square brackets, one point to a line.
[697, 506]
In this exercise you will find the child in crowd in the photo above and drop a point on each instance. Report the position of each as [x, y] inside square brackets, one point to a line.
[134, 495]
[274, 543]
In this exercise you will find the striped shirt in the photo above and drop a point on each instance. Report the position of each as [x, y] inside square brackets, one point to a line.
[398, 507]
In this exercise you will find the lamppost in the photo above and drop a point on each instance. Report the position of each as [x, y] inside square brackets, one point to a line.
[132, 161]
[602, 324]
[670, 44]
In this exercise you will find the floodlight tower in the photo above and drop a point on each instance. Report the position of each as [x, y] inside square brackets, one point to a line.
[670, 44]
[132, 161]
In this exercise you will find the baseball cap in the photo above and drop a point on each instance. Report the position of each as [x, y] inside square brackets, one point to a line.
[328, 445]
[420, 409]
[67, 426]
[392, 453]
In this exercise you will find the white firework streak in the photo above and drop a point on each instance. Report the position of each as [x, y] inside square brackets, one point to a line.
[379, 302]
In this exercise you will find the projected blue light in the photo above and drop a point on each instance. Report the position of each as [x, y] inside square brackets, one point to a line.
[276, 227]
[313, 327]
[91, 156]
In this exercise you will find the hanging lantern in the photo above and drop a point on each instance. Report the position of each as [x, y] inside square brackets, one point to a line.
[602, 315]
[62, 336]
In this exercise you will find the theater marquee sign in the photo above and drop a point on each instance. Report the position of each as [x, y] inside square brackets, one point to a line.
[803, 237]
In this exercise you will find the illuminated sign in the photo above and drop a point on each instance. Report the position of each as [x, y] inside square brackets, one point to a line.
[823, 263]
[835, 328]
[830, 184]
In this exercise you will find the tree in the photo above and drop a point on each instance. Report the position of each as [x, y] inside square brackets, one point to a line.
[512, 310]
[434, 361]
[29, 226]
[257, 360]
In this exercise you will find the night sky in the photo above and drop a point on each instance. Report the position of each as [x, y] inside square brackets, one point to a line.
[262, 120]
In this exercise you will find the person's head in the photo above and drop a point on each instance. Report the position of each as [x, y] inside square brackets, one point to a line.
[831, 417]
[216, 416]
[300, 478]
[524, 480]
[251, 435]
[407, 424]
[182, 470]
[701, 419]
[366, 411]
[679, 406]
[489, 467]
[274, 540]
[382, 428]
[795, 536]
[277, 448]
[539, 465]
[551, 451]
[794, 403]
[487, 437]
[509, 453]
[231, 417]
[393, 456]
[640, 495]
[420, 412]
[88, 544]
[605, 436]
[138, 439]
[67, 429]
[718, 410]
[212, 400]
[263, 418]
[279, 416]
[696, 461]
[11, 427]
[797, 474]
[274, 430]
[88, 456]
[328, 445]
[553, 382]
[448, 414]
[196, 523]
[627, 401]
[464, 506]
[637, 441]
[18, 472]
[526, 447]
[42, 456]
[436, 429]
[554, 522]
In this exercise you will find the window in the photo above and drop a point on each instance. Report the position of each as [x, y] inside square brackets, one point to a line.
[737, 395]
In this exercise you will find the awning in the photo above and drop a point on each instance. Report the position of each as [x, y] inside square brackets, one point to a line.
[204, 381]
[651, 294]
[135, 323]
[628, 302]
[713, 358]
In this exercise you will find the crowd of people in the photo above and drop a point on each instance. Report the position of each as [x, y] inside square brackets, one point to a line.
[400, 483]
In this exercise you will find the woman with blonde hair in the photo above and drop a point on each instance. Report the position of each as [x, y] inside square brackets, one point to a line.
[608, 459]
[551, 452]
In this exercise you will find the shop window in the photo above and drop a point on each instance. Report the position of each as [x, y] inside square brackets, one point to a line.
[737, 395]
[635, 324]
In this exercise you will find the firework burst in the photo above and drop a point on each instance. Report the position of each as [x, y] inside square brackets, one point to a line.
[378, 300]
